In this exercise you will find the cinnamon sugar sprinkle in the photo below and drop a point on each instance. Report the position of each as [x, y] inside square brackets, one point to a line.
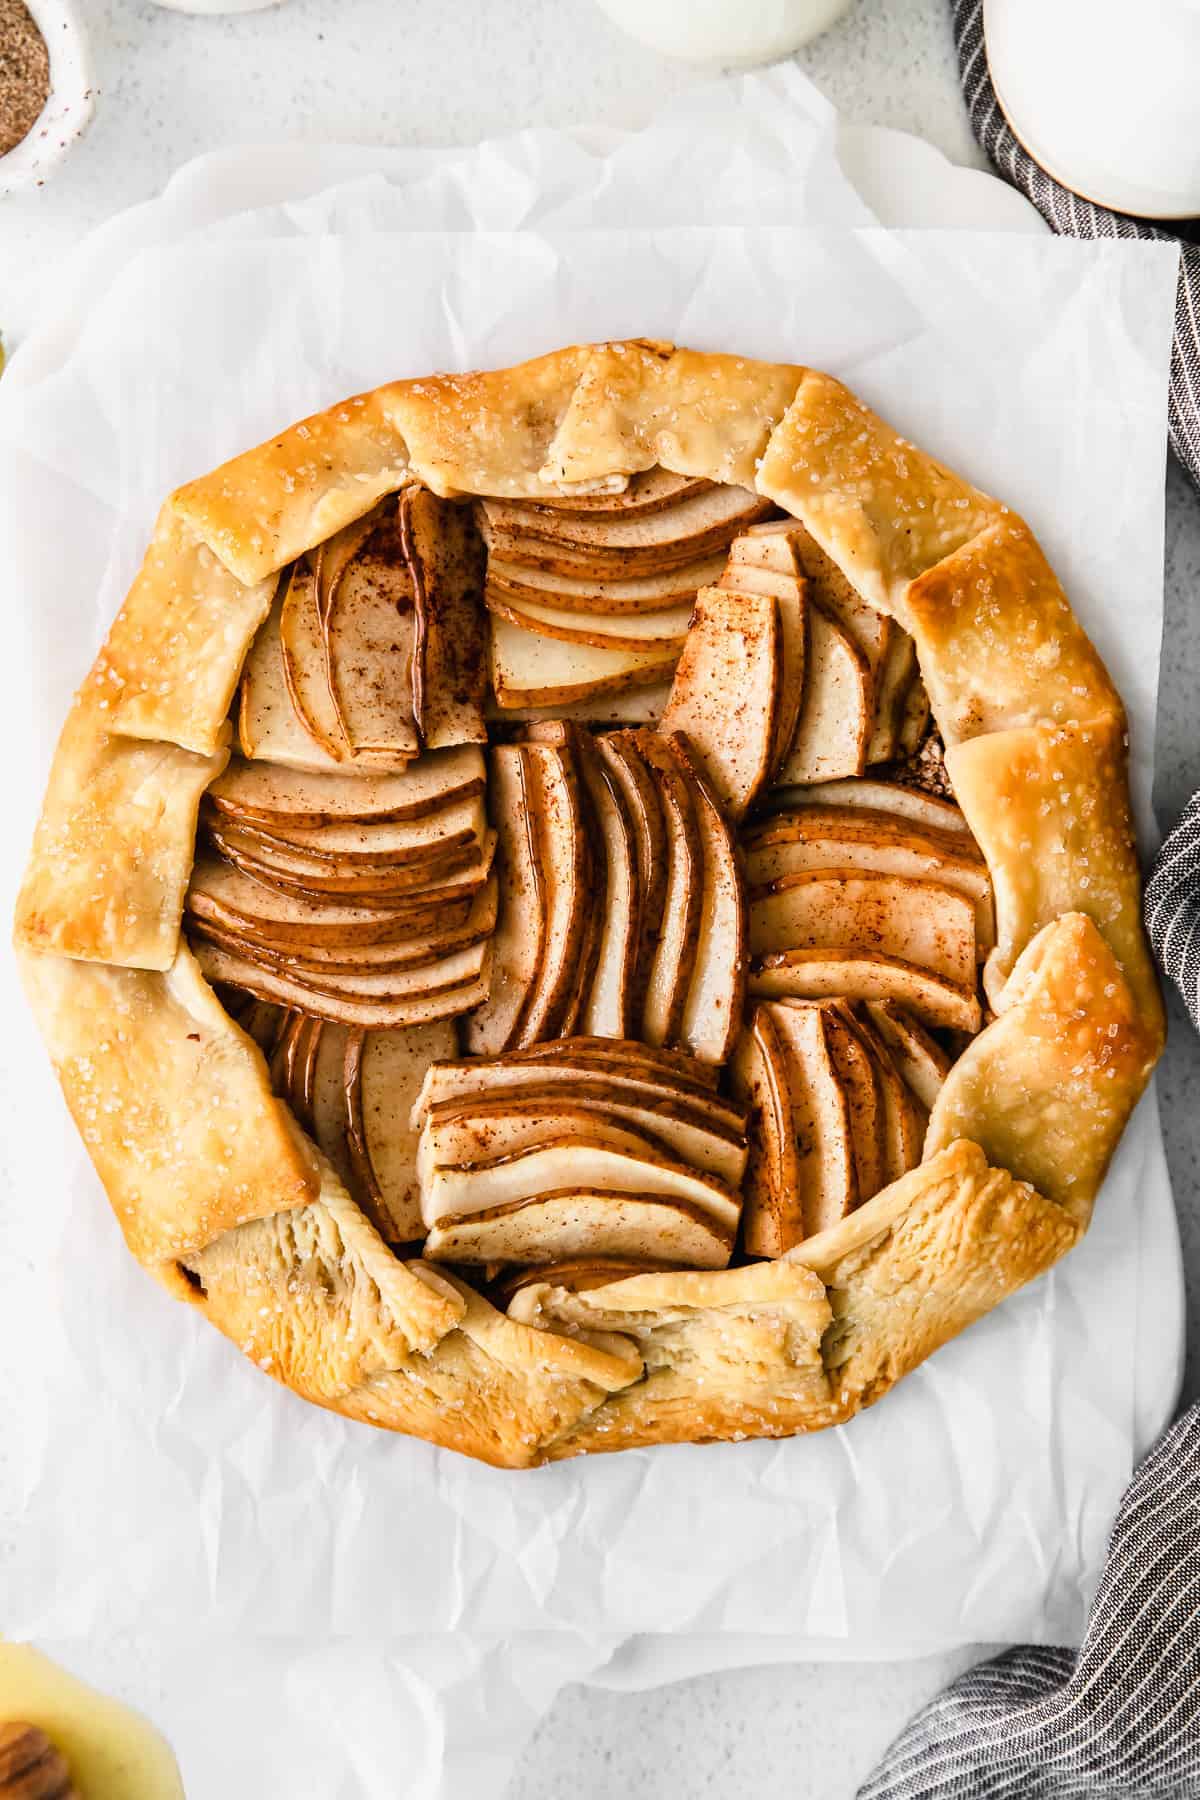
[24, 73]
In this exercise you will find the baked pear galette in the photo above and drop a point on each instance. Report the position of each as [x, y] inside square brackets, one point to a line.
[593, 904]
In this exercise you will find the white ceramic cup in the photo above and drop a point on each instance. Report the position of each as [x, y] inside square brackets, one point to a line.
[724, 33]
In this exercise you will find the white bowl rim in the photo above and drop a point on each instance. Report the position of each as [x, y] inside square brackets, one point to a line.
[71, 101]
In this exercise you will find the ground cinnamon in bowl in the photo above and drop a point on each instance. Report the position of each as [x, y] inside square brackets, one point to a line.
[24, 73]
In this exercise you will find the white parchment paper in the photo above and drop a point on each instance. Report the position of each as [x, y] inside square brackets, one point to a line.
[154, 1481]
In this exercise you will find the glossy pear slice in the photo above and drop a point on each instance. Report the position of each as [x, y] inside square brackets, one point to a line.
[269, 727]
[904, 1119]
[328, 1109]
[520, 938]
[608, 1010]
[568, 1061]
[761, 576]
[369, 637]
[280, 798]
[464, 1137]
[620, 547]
[595, 595]
[772, 1209]
[555, 806]
[821, 1118]
[637, 706]
[893, 678]
[866, 975]
[856, 1072]
[920, 1059]
[725, 694]
[529, 670]
[302, 645]
[876, 796]
[567, 1164]
[634, 781]
[372, 842]
[305, 876]
[449, 665]
[580, 1221]
[232, 900]
[437, 938]
[920, 922]
[662, 630]
[675, 955]
[222, 966]
[835, 710]
[382, 1075]
[712, 1013]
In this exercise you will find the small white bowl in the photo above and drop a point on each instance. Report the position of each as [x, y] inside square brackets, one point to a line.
[217, 6]
[72, 97]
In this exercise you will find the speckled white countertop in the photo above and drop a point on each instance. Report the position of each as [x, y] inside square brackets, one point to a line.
[427, 72]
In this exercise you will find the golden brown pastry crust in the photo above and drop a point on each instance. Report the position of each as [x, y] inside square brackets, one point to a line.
[217, 1190]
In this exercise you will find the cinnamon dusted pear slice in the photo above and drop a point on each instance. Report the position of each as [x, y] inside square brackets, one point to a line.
[620, 546]
[877, 796]
[662, 630]
[674, 961]
[233, 901]
[647, 492]
[427, 943]
[512, 1100]
[635, 706]
[596, 596]
[297, 873]
[677, 1066]
[812, 837]
[835, 710]
[786, 544]
[922, 1062]
[904, 1119]
[328, 1109]
[449, 664]
[725, 696]
[382, 1075]
[894, 677]
[914, 718]
[455, 827]
[332, 558]
[772, 1193]
[633, 779]
[866, 975]
[264, 1023]
[221, 965]
[766, 566]
[608, 1010]
[712, 1013]
[369, 637]
[519, 942]
[410, 980]
[860, 1083]
[269, 727]
[571, 1163]
[578, 1221]
[569, 1062]
[283, 799]
[302, 646]
[529, 670]
[821, 1118]
[919, 922]
[458, 1137]
[555, 805]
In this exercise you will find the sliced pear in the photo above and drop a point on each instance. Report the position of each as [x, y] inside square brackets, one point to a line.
[922, 1062]
[639, 790]
[673, 1065]
[811, 837]
[620, 546]
[580, 1221]
[904, 1119]
[595, 595]
[645, 493]
[877, 796]
[914, 719]
[528, 670]
[459, 1137]
[227, 897]
[835, 709]
[680, 1127]
[274, 851]
[264, 1023]
[412, 980]
[284, 1052]
[893, 678]
[725, 695]
[555, 805]
[565, 1165]
[519, 942]
[866, 975]
[856, 1073]
[820, 1118]
[221, 965]
[789, 593]
[712, 1013]
[571, 1066]
[332, 558]
[674, 961]
[919, 922]
[302, 1073]
[664, 630]
[382, 1075]
[449, 665]
[786, 544]
[608, 1010]
[302, 645]
[305, 877]
[276, 797]
[328, 1108]
[269, 727]
[772, 1195]
[370, 842]
[638, 706]
[369, 638]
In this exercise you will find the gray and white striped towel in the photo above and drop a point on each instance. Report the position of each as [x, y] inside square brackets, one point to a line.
[1118, 1721]
[1172, 905]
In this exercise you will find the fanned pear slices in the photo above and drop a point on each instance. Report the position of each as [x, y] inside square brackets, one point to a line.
[269, 727]
[764, 563]
[586, 1147]
[673, 966]
[531, 670]
[619, 546]
[910, 803]
[382, 1075]
[278, 798]
[919, 922]
[811, 838]
[449, 654]
[725, 695]
[597, 598]
[519, 942]
[713, 1008]
[384, 1013]
[920, 1059]
[834, 727]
